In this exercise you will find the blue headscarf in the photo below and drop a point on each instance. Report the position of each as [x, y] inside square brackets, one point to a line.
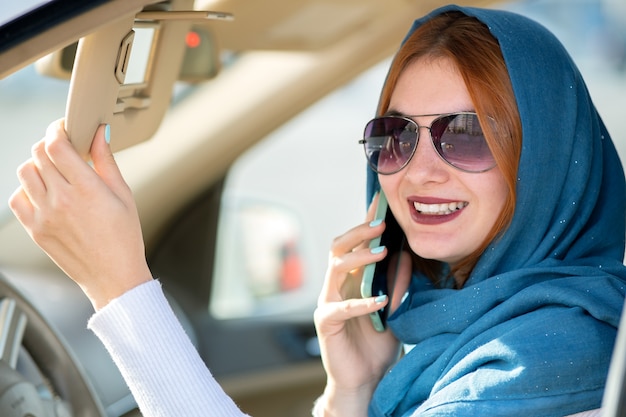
[533, 328]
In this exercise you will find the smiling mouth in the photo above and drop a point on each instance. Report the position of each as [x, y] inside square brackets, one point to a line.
[439, 209]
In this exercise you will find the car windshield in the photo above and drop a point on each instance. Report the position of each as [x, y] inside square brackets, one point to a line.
[16, 9]
[20, 20]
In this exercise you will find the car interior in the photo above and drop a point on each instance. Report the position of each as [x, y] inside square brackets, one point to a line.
[236, 124]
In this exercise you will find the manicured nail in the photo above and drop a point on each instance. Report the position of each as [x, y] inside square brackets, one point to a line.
[107, 133]
[377, 250]
[376, 222]
[380, 299]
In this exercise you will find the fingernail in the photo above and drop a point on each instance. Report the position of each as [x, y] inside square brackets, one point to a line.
[377, 250]
[376, 222]
[380, 299]
[107, 133]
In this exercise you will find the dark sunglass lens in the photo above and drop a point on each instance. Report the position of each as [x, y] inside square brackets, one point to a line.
[389, 143]
[460, 141]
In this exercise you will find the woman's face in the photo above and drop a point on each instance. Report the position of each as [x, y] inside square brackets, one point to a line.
[422, 194]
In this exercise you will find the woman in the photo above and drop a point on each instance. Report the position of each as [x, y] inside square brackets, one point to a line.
[513, 282]
[517, 275]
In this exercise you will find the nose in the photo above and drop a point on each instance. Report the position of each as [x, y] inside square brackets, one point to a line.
[426, 165]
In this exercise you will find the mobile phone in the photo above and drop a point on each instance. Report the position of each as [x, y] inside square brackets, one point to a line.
[379, 278]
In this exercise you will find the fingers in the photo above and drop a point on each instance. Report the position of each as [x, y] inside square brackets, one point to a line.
[21, 205]
[344, 262]
[58, 161]
[360, 236]
[32, 185]
[46, 170]
[350, 251]
[104, 161]
[46, 177]
[356, 238]
[335, 314]
[340, 297]
[62, 155]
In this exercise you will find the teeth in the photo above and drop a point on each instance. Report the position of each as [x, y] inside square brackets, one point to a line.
[439, 209]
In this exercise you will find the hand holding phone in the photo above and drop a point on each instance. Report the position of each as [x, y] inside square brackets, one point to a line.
[379, 278]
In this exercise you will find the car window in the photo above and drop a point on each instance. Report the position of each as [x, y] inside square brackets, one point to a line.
[287, 198]
[290, 195]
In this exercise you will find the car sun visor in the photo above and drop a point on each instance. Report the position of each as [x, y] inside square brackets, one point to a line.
[123, 75]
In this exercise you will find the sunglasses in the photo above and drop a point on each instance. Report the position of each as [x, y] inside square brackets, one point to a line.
[390, 142]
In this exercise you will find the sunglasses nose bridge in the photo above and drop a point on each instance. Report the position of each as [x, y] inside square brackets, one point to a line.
[428, 157]
[419, 127]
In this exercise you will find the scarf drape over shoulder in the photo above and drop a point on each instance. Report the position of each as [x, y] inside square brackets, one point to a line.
[532, 330]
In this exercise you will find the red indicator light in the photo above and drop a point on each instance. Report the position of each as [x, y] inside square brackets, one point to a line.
[192, 40]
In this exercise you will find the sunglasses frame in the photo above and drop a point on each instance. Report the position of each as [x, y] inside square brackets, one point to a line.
[409, 118]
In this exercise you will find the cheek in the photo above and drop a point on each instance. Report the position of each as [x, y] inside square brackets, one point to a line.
[494, 193]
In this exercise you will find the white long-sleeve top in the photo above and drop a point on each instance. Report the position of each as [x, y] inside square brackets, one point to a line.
[161, 366]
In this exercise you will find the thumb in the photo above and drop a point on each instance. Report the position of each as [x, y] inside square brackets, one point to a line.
[103, 160]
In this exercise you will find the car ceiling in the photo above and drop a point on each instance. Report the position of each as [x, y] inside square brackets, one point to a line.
[290, 54]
